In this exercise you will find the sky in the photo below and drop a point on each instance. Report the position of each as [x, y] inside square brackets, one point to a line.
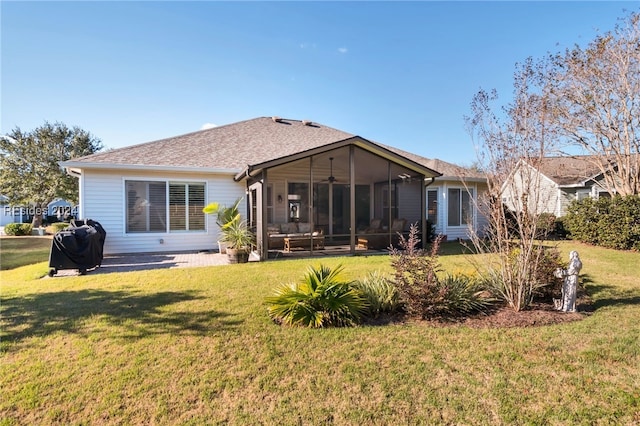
[398, 73]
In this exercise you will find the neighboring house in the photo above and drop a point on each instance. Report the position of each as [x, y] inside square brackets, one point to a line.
[11, 214]
[149, 197]
[59, 208]
[550, 184]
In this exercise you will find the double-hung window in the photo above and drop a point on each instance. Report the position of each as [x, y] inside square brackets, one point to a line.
[160, 206]
[432, 206]
[460, 206]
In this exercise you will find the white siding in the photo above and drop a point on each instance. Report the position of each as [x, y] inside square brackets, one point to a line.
[455, 232]
[541, 192]
[103, 200]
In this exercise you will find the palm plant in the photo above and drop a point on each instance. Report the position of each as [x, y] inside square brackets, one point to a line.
[380, 292]
[320, 299]
[235, 231]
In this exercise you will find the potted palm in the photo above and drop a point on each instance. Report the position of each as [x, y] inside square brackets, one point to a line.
[236, 237]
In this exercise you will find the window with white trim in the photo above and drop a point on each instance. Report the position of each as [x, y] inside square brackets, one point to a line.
[159, 206]
[460, 206]
[432, 206]
[186, 201]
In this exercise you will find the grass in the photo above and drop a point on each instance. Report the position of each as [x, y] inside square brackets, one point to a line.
[18, 251]
[195, 346]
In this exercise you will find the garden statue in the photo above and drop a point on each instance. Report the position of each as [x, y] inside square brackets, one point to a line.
[570, 284]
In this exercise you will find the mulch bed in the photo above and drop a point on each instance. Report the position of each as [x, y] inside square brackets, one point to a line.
[539, 313]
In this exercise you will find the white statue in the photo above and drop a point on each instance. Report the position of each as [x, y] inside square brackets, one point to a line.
[570, 285]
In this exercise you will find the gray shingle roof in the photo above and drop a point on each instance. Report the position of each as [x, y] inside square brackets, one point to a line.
[447, 169]
[230, 147]
[234, 146]
[570, 170]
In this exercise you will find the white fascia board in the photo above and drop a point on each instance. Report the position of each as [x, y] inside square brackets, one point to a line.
[463, 179]
[105, 166]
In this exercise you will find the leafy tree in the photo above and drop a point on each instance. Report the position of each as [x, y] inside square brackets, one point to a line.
[30, 173]
[594, 96]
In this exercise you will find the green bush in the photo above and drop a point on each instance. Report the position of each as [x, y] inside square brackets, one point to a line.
[464, 295]
[423, 293]
[18, 229]
[607, 222]
[523, 275]
[320, 299]
[56, 227]
[548, 285]
[380, 293]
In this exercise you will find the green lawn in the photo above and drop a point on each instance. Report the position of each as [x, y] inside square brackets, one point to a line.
[195, 346]
[18, 251]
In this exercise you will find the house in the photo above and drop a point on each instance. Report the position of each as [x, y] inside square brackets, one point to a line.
[550, 184]
[298, 178]
[59, 209]
[10, 213]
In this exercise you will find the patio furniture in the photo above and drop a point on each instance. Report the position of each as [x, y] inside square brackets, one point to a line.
[295, 232]
[376, 237]
[304, 242]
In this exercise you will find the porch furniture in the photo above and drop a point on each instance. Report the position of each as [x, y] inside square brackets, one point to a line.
[376, 237]
[304, 242]
[295, 232]
[363, 243]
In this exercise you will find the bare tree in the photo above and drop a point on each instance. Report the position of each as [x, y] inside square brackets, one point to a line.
[508, 142]
[594, 98]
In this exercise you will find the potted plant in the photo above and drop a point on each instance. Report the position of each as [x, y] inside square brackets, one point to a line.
[236, 237]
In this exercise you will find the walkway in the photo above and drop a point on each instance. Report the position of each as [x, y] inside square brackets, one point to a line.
[142, 262]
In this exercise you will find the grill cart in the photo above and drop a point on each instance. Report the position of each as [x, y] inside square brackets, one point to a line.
[77, 247]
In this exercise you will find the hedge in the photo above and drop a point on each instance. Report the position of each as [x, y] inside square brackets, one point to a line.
[607, 222]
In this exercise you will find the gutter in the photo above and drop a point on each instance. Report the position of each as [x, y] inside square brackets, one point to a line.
[100, 166]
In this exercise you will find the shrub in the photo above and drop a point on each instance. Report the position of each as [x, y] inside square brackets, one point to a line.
[464, 295]
[320, 299]
[523, 274]
[18, 229]
[607, 222]
[546, 224]
[548, 285]
[422, 293]
[380, 293]
[56, 227]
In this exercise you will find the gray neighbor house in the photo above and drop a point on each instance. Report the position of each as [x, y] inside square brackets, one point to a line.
[553, 183]
[305, 186]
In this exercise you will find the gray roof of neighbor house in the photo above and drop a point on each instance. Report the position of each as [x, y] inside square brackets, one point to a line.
[569, 170]
[233, 147]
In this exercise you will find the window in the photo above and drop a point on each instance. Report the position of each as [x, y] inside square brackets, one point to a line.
[432, 206]
[460, 208]
[151, 208]
[186, 201]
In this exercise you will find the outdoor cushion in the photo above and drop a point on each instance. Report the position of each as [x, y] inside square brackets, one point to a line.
[289, 228]
[398, 225]
[304, 227]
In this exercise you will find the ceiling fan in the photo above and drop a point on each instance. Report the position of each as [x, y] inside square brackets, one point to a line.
[331, 178]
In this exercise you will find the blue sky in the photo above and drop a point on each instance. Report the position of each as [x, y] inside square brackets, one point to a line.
[400, 73]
